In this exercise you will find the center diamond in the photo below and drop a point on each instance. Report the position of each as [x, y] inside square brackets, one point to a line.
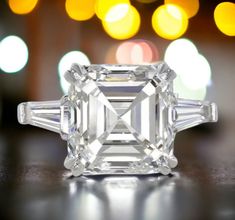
[118, 120]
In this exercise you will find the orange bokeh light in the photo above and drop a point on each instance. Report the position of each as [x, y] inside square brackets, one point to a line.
[80, 10]
[22, 6]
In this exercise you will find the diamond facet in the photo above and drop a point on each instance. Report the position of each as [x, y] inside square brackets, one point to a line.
[119, 119]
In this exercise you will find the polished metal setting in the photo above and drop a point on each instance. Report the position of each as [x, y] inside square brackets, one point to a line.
[119, 119]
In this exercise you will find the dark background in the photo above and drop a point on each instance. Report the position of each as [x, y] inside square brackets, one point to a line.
[33, 182]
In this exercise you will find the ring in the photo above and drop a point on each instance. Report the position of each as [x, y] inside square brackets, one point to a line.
[119, 119]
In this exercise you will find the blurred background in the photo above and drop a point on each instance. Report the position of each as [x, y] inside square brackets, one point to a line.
[40, 39]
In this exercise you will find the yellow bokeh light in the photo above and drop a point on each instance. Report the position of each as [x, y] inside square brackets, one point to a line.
[102, 7]
[191, 7]
[117, 12]
[169, 21]
[22, 7]
[224, 16]
[80, 10]
[124, 28]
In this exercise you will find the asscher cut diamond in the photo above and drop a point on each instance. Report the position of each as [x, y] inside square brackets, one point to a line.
[119, 119]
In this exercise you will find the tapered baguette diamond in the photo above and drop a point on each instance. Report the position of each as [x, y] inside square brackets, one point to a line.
[119, 119]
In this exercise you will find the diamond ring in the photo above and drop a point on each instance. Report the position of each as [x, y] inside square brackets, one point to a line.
[119, 119]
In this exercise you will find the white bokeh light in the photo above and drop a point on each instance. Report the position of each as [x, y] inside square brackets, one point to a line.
[13, 54]
[184, 92]
[65, 64]
[199, 74]
[192, 69]
[179, 54]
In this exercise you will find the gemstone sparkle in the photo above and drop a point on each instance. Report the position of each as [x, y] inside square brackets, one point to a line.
[119, 121]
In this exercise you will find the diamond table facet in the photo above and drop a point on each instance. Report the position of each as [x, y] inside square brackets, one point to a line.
[119, 119]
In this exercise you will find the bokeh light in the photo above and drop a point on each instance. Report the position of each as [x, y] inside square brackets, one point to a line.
[137, 52]
[192, 69]
[197, 75]
[184, 92]
[22, 6]
[13, 54]
[123, 53]
[224, 16]
[102, 7]
[191, 7]
[65, 64]
[125, 27]
[179, 52]
[169, 21]
[80, 10]
[117, 12]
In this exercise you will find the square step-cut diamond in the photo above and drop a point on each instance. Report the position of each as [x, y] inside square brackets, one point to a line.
[119, 118]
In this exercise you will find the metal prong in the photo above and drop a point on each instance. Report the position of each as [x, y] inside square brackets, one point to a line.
[164, 72]
[76, 73]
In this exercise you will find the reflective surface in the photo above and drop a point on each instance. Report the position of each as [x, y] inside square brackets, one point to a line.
[34, 184]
